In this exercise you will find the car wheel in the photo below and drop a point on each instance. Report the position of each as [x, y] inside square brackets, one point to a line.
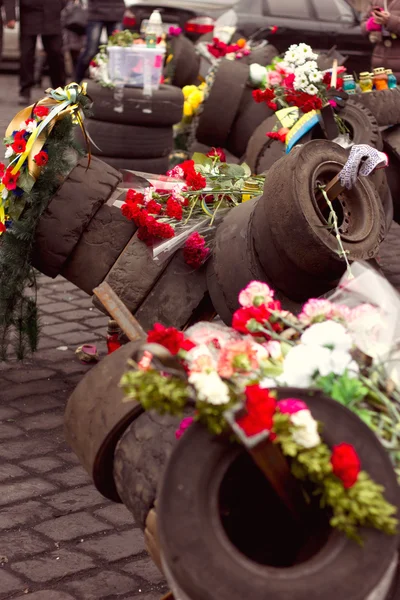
[362, 125]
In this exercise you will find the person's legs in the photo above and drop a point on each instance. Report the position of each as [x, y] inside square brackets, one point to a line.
[93, 35]
[53, 45]
[111, 27]
[27, 66]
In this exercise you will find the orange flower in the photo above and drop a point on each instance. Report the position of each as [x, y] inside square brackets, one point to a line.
[241, 43]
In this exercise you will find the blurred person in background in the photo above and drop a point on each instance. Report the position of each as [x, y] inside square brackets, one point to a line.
[102, 13]
[40, 17]
[7, 9]
[381, 23]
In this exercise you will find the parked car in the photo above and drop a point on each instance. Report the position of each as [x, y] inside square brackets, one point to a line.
[194, 17]
[320, 23]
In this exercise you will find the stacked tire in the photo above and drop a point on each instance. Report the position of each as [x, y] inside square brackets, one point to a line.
[230, 115]
[85, 238]
[283, 237]
[134, 131]
[262, 152]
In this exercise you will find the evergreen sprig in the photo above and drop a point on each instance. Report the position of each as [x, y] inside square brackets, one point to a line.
[362, 505]
[19, 323]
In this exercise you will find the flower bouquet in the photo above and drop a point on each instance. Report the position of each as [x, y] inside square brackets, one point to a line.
[205, 187]
[233, 375]
[297, 88]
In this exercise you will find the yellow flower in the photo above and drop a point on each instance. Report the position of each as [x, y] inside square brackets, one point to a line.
[187, 109]
[187, 90]
[195, 98]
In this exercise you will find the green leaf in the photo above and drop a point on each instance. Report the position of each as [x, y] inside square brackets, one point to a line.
[26, 181]
[246, 169]
[8, 140]
[234, 171]
[202, 159]
[16, 207]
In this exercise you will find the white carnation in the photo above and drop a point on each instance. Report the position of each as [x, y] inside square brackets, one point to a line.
[9, 152]
[210, 388]
[306, 429]
[31, 126]
[302, 363]
[330, 334]
[4, 194]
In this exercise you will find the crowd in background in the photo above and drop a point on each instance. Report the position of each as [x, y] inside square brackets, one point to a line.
[49, 19]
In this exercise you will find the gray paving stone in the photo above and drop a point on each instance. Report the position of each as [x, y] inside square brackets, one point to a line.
[115, 546]
[24, 448]
[103, 585]
[9, 584]
[71, 478]
[10, 472]
[9, 431]
[39, 421]
[117, 514]
[28, 488]
[19, 544]
[75, 500]
[69, 527]
[146, 569]
[31, 405]
[47, 595]
[44, 464]
[24, 513]
[24, 375]
[55, 565]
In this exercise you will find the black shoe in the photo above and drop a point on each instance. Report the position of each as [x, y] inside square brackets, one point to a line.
[24, 100]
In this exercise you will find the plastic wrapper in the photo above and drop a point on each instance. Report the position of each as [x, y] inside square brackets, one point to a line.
[376, 328]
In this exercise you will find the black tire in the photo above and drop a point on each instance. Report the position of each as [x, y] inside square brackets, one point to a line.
[175, 296]
[248, 119]
[262, 152]
[289, 204]
[388, 256]
[380, 181]
[99, 247]
[221, 107]
[158, 166]
[164, 107]
[391, 145]
[234, 570]
[186, 62]
[384, 105]
[133, 275]
[363, 126]
[129, 141]
[262, 56]
[140, 459]
[235, 262]
[70, 211]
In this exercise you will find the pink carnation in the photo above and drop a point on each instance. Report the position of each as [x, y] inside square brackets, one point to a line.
[238, 356]
[255, 294]
[274, 78]
[291, 406]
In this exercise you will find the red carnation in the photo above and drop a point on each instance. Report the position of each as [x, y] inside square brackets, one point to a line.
[153, 207]
[261, 314]
[41, 111]
[274, 29]
[195, 252]
[19, 145]
[41, 159]
[10, 179]
[187, 167]
[217, 153]
[3, 228]
[174, 209]
[169, 337]
[345, 464]
[288, 82]
[132, 196]
[2, 169]
[196, 181]
[261, 407]
[165, 231]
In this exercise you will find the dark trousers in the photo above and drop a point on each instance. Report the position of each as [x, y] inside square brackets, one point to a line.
[53, 45]
[93, 35]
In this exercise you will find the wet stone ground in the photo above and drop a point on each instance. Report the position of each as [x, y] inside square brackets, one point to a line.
[59, 538]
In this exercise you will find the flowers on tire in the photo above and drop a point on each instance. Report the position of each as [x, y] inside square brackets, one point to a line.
[205, 186]
[233, 375]
[297, 82]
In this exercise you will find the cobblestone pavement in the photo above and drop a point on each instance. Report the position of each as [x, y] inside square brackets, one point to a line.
[59, 538]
